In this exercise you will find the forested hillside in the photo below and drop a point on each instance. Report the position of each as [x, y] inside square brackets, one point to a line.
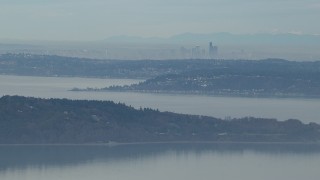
[37, 121]
[234, 81]
[45, 65]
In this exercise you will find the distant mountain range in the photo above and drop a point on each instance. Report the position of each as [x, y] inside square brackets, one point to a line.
[298, 47]
[225, 38]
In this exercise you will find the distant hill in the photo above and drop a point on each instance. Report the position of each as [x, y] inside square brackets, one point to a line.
[265, 78]
[41, 121]
[48, 65]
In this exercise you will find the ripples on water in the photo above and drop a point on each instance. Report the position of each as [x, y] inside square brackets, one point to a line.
[161, 161]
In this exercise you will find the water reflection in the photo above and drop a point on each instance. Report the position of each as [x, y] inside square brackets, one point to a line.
[14, 157]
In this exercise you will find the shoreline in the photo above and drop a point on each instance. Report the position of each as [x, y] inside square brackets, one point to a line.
[199, 94]
[112, 144]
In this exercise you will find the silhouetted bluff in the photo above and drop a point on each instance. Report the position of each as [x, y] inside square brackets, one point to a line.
[26, 120]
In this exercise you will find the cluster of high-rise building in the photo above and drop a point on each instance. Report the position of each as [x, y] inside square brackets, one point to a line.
[199, 53]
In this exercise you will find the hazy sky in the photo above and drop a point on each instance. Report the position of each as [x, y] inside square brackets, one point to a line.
[99, 19]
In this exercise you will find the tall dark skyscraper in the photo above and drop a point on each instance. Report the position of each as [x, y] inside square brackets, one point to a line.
[213, 50]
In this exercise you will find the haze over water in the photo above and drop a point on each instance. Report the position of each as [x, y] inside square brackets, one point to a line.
[81, 28]
[305, 110]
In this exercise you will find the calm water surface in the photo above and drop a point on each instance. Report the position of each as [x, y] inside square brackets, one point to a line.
[161, 161]
[306, 110]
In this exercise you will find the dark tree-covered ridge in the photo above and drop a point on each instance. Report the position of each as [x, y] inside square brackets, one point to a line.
[25, 120]
[45, 65]
[271, 77]
[233, 81]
